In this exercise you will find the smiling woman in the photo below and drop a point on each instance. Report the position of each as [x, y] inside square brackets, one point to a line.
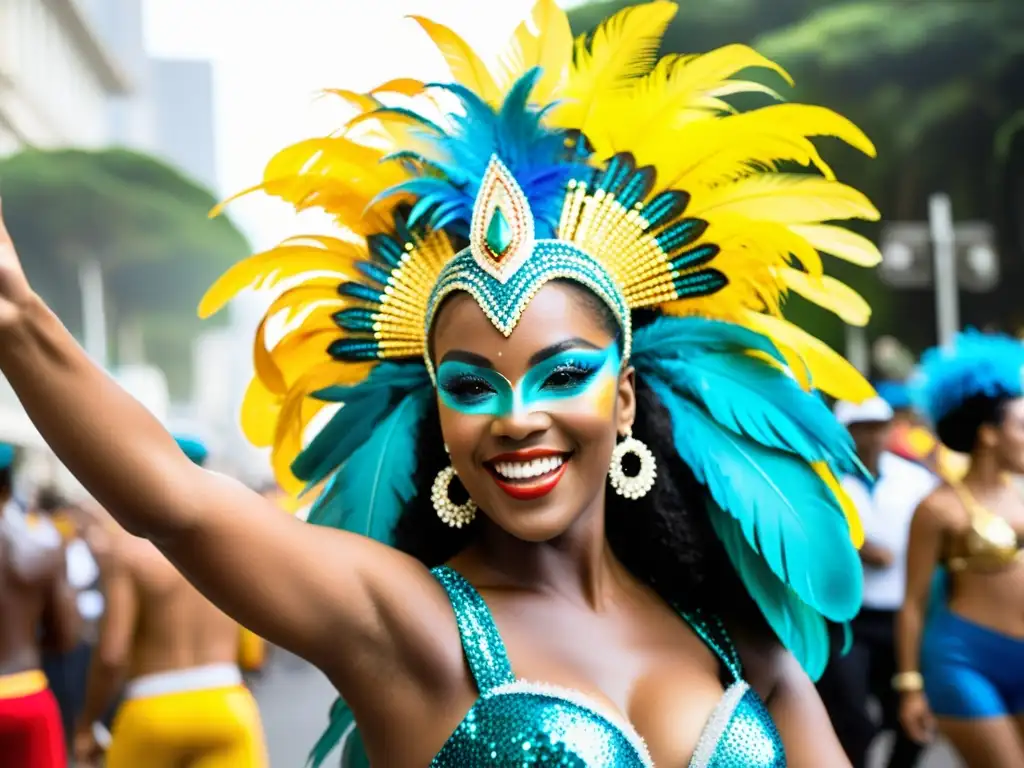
[617, 408]
[572, 411]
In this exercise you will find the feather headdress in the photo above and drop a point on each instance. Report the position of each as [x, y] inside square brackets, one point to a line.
[589, 160]
[986, 364]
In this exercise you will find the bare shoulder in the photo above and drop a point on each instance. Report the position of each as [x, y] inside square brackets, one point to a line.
[940, 511]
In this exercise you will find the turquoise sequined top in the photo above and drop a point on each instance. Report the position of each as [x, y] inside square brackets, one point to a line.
[518, 723]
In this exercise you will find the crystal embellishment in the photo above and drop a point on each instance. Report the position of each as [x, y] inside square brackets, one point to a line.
[501, 233]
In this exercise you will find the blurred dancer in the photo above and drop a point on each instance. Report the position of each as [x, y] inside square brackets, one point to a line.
[184, 702]
[68, 672]
[961, 629]
[886, 505]
[34, 596]
[911, 439]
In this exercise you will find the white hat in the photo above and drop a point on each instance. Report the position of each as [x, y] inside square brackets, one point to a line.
[874, 410]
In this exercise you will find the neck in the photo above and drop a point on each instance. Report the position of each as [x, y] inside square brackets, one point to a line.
[985, 472]
[577, 564]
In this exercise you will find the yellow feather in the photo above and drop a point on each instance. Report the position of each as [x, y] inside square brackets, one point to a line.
[298, 408]
[406, 86]
[680, 89]
[812, 120]
[281, 262]
[265, 368]
[732, 87]
[720, 153]
[260, 409]
[829, 371]
[360, 102]
[723, 149]
[845, 502]
[312, 292]
[840, 242]
[623, 47]
[833, 295]
[302, 350]
[786, 199]
[775, 244]
[465, 65]
[550, 49]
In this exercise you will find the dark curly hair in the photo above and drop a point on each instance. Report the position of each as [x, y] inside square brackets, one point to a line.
[958, 429]
[664, 539]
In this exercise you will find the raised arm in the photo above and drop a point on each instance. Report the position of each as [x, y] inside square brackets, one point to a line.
[329, 596]
[923, 553]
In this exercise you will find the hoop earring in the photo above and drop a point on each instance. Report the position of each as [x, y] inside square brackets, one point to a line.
[454, 515]
[632, 486]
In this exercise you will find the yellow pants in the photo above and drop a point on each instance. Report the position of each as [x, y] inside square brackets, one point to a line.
[215, 728]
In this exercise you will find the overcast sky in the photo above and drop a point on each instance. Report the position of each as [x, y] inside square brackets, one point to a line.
[271, 57]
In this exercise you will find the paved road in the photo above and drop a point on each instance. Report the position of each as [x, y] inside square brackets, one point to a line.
[294, 699]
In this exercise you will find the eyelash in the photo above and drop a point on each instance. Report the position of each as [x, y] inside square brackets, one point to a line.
[467, 387]
[577, 372]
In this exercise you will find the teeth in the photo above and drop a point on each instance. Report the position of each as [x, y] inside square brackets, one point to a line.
[524, 470]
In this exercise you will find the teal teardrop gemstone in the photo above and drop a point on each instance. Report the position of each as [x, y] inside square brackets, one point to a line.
[499, 233]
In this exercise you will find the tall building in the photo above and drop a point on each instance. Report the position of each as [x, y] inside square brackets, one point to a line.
[57, 78]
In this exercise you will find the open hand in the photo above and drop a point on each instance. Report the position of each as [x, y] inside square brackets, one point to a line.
[15, 292]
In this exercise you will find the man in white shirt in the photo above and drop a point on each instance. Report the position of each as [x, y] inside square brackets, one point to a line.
[886, 504]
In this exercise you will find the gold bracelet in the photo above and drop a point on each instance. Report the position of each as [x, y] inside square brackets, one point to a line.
[907, 682]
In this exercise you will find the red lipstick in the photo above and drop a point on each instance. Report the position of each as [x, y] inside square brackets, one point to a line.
[534, 487]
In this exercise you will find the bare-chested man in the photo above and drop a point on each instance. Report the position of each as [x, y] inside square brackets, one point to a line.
[185, 704]
[38, 611]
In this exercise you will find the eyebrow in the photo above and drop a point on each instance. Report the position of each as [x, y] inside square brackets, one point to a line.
[471, 358]
[562, 346]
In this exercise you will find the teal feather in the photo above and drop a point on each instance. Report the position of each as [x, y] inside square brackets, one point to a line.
[376, 482]
[386, 249]
[706, 361]
[704, 282]
[665, 206]
[340, 720]
[749, 433]
[359, 291]
[800, 628]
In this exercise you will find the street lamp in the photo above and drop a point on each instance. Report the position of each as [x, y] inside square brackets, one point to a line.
[942, 255]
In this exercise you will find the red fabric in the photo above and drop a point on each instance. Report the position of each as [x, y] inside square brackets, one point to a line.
[31, 735]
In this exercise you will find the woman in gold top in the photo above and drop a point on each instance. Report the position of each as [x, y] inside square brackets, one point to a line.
[961, 630]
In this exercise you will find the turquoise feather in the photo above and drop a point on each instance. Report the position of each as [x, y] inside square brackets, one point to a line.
[366, 404]
[707, 361]
[800, 628]
[375, 483]
[787, 513]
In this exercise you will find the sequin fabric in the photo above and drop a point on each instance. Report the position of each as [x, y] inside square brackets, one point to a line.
[519, 723]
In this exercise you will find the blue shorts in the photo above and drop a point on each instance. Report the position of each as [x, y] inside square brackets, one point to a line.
[971, 671]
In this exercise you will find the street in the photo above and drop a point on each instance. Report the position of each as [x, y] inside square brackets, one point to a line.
[294, 699]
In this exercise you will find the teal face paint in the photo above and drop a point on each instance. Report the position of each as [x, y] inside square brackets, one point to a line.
[480, 391]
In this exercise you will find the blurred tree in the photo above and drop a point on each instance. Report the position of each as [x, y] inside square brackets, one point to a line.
[939, 87]
[143, 222]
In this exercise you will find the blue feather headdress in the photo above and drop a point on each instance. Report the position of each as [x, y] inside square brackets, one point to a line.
[976, 364]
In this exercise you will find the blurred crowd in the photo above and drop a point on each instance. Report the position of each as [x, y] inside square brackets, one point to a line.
[92, 619]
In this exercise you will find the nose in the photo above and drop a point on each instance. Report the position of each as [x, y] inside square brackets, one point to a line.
[520, 425]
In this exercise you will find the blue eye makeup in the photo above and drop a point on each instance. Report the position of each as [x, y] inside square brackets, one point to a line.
[473, 389]
[478, 390]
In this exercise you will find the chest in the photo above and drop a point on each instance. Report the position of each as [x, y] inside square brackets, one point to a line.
[650, 674]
